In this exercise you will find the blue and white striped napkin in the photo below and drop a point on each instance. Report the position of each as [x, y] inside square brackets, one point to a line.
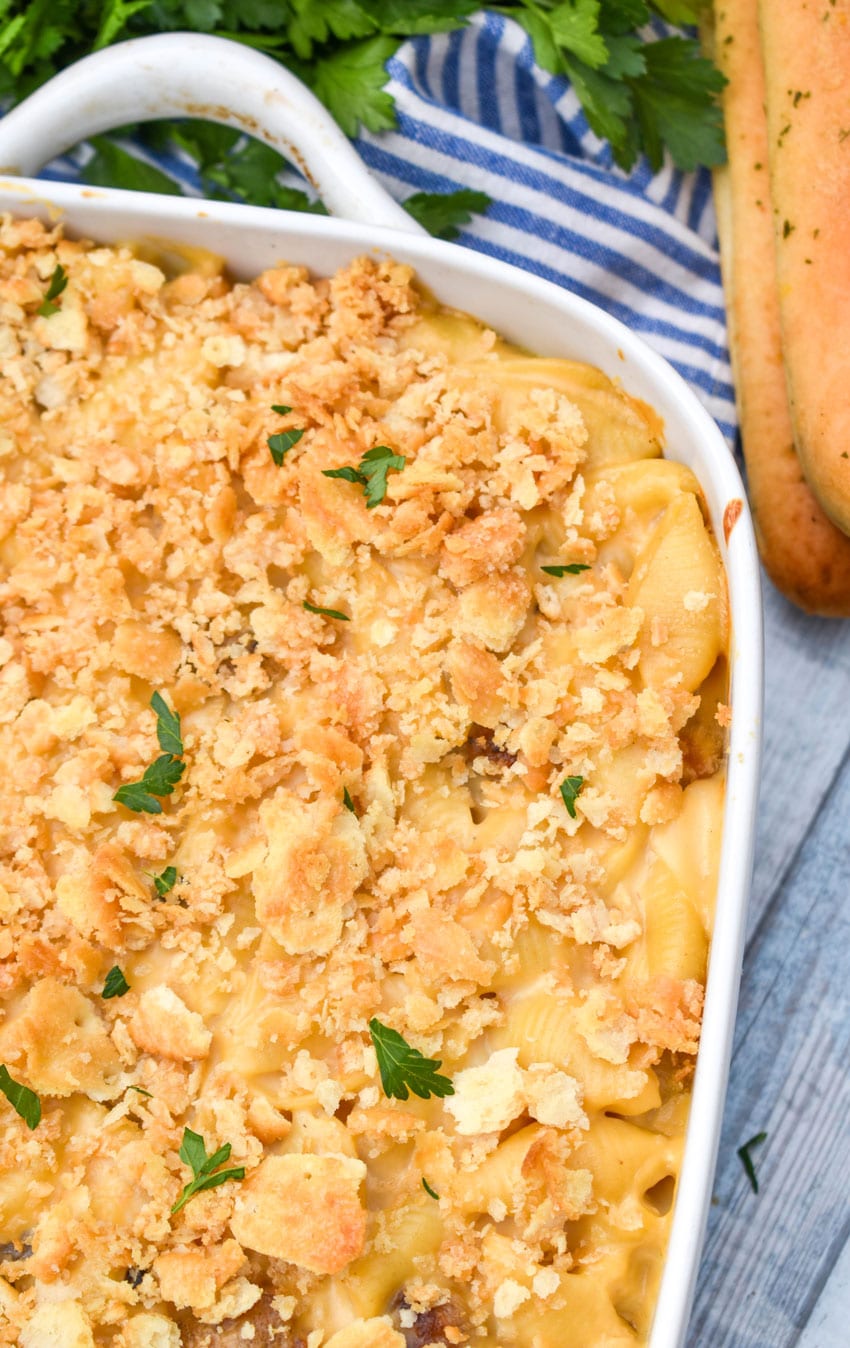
[476, 111]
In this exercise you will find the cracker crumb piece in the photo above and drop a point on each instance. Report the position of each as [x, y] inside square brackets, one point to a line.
[376, 1333]
[304, 1209]
[510, 1295]
[164, 1025]
[554, 1098]
[64, 1325]
[489, 1097]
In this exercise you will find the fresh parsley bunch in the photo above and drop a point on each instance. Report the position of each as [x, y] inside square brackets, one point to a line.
[640, 93]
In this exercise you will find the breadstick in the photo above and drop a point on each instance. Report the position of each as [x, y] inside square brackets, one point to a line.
[806, 51]
[803, 552]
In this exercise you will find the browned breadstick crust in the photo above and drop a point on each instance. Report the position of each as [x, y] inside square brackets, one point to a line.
[803, 552]
[806, 51]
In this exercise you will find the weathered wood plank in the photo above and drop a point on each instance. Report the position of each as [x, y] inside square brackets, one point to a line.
[829, 1324]
[807, 733]
[766, 1257]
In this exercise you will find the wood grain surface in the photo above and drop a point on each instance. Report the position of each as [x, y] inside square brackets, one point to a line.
[776, 1265]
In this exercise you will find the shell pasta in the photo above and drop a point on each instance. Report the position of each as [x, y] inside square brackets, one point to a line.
[362, 696]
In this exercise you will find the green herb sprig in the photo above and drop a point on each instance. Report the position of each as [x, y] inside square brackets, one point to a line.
[371, 473]
[161, 776]
[24, 1101]
[115, 984]
[280, 444]
[747, 1160]
[443, 213]
[193, 1153]
[326, 612]
[165, 881]
[404, 1069]
[570, 789]
[640, 93]
[570, 569]
[58, 282]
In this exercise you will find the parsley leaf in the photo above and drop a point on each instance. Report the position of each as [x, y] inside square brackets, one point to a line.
[640, 94]
[193, 1153]
[432, 1193]
[571, 569]
[629, 93]
[404, 1069]
[24, 1101]
[140, 1090]
[113, 166]
[407, 17]
[159, 779]
[674, 107]
[116, 984]
[165, 881]
[371, 473]
[747, 1160]
[58, 282]
[247, 169]
[442, 213]
[374, 466]
[350, 82]
[570, 788]
[575, 27]
[347, 474]
[281, 443]
[116, 14]
[347, 801]
[167, 727]
[313, 23]
[326, 612]
[161, 776]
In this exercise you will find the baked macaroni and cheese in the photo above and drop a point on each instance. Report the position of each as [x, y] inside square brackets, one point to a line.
[362, 720]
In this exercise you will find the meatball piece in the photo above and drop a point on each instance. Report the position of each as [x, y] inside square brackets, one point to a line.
[269, 1330]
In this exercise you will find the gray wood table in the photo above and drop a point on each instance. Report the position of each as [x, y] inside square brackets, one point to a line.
[776, 1265]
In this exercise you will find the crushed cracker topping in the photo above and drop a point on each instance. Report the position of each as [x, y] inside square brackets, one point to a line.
[369, 822]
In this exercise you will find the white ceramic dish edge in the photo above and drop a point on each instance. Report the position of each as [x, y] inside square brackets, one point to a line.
[174, 75]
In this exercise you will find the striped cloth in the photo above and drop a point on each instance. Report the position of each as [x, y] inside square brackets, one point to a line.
[475, 110]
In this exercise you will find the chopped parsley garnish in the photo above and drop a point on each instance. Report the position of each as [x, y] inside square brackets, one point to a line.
[24, 1101]
[165, 881]
[347, 801]
[747, 1160]
[280, 444]
[167, 727]
[326, 612]
[371, 473]
[116, 984]
[570, 788]
[58, 282]
[571, 569]
[193, 1153]
[432, 1193]
[637, 91]
[161, 776]
[159, 779]
[404, 1069]
[140, 1090]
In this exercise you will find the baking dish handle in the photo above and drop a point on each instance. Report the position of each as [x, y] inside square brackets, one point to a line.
[212, 78]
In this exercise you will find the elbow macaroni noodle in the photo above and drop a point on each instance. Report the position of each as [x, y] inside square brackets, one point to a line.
[554, 964]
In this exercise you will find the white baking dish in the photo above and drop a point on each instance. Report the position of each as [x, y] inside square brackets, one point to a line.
[184, 74]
